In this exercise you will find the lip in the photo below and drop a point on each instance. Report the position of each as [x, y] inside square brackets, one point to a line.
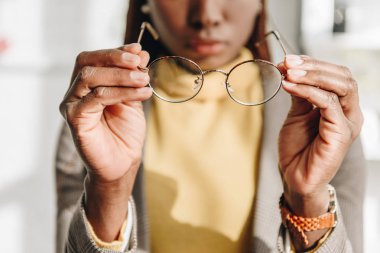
[207, 46]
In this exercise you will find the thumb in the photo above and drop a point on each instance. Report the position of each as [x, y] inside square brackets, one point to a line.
[299, 105]
[281, 67]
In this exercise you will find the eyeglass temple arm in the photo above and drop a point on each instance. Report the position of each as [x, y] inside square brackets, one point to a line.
[278, 38]
[151, 30]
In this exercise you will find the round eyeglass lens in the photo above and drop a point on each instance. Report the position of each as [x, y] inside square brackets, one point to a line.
[264, 82]
[175, 79]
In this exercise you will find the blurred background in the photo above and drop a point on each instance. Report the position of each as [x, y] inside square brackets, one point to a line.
[39, 41]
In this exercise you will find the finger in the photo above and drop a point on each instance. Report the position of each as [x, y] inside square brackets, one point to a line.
[133, 48]
[342, 86]
[91, 77]
[300, 106]
[305, 62]
[345, 88]
[107, 96]
[328, 102]
[144, 56]
[109, 58]
[101, 97]
[281, 67]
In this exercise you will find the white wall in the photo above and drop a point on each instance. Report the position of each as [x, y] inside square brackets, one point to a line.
[43, 39]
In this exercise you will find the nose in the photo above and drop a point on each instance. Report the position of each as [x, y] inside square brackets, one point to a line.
[206, 14]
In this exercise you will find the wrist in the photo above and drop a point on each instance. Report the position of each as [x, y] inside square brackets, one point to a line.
[112, 189]
[106, 206]
[310, 205]
[110, 193]
[312, 221]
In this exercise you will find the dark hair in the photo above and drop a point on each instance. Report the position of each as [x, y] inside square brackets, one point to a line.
[135, 17]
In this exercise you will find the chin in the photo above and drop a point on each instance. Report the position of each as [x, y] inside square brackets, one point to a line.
[213, 61]
[208, 61]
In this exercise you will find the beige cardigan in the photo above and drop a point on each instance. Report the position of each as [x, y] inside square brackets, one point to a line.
[267, 231]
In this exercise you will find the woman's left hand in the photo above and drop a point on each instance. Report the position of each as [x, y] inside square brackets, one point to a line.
[322, 123]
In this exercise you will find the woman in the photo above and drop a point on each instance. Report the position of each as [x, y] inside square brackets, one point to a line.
[199, 195]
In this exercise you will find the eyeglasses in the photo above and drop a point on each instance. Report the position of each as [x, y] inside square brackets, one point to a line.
[184, 78]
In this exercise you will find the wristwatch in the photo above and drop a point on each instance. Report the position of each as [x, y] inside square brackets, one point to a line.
[306, 224]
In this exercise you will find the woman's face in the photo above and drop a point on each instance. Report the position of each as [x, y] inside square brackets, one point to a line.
[210, 32]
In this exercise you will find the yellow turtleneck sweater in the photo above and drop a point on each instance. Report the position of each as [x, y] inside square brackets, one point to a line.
[200, 166]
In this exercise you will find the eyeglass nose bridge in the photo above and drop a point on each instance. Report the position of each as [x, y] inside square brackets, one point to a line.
[228, 86]
[215, 70]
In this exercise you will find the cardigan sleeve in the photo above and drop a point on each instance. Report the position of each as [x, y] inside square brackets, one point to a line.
[122, 243]
[80, 239]
[69, 175]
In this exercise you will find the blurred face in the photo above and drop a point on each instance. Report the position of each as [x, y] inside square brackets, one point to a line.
[210, 32]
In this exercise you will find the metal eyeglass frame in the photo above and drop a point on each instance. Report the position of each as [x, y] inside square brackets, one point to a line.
[153, 32]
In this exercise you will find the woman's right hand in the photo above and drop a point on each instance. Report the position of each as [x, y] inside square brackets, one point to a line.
[104, 111]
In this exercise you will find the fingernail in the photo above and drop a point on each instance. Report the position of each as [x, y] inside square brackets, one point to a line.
[288, 84]
[131, 45]
[293, 60]
[131, 58]
[292, 56]
[140, 76]
[296, 72]
[145, 89]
